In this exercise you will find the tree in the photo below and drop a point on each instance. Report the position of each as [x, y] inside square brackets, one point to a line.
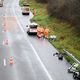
[42, 1]
[65, 9]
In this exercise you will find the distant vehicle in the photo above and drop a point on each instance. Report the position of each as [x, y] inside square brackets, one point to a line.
[1, 3]
[32, 29]
[26, 10]
[76, 75]
[73, 67]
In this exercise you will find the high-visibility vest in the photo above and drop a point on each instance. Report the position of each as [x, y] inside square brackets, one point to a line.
[46, 33]
[39, 32]
[42, 30]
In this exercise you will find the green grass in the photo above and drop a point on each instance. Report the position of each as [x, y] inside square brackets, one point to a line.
[22, 2]
[66, 34]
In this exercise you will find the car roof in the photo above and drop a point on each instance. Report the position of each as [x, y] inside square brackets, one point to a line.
[33, 23]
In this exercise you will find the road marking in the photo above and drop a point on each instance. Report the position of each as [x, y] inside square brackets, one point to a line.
[3, 43]
[4, 62]
[43, 66]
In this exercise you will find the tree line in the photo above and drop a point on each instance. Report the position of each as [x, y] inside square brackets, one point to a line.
[64, 9]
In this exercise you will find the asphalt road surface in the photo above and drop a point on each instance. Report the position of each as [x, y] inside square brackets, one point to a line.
[32, 57]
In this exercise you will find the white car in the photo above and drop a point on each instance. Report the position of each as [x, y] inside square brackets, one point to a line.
[25, 10]
[32, 29]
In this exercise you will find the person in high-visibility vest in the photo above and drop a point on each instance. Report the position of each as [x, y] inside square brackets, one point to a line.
[46, 33]
[42, 32]
[39, 32]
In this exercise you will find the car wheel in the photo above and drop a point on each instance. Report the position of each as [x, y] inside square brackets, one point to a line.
[27, 13]
[22, 14]
[68, 71]
[74, 76]
[28, 32]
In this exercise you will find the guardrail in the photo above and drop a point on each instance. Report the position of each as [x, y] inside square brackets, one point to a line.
[70, 55]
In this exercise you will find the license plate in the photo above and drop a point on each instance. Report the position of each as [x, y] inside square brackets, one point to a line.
[33, 30]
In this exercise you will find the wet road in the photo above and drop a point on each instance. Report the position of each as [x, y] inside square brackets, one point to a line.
[32, 57]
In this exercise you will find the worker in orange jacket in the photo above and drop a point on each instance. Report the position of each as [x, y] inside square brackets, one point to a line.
[46, 33]
[40, 32]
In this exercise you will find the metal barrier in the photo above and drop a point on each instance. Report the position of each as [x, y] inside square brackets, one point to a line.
[70, 55]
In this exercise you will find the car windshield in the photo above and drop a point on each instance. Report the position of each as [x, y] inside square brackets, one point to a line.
[27, 9]
[33, 26]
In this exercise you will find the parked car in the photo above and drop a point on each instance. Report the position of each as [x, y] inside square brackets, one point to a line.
[32, 28]
[26, 10]
[1, 3]
[72, 68]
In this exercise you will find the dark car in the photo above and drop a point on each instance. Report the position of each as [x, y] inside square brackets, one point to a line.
[32, 29]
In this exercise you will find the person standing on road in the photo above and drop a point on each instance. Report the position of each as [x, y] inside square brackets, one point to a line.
[46, 33]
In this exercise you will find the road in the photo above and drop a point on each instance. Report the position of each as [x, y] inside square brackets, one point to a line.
[33, 58]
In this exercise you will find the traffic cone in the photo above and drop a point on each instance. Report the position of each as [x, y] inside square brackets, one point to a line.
[46, 33]
[34, 12]
[3, 24]
[6, 42]
[4, 30]
[11, 61]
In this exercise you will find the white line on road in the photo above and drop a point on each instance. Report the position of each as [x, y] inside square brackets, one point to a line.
[4, 61]
[43, 66]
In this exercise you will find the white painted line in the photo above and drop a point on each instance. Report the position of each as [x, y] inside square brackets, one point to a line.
[43, 66]
[3, 43]
[4, 62]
